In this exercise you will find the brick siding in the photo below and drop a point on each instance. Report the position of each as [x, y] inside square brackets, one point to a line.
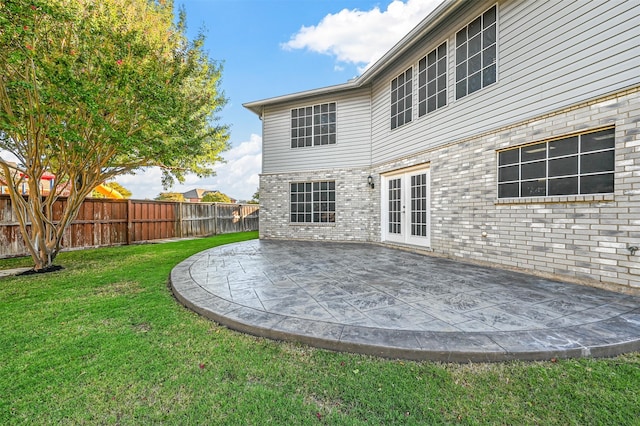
[576, 238]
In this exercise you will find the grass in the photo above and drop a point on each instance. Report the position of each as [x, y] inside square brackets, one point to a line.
[105, 342]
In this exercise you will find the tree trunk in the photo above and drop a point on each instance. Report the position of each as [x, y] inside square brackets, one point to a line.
[41, 231]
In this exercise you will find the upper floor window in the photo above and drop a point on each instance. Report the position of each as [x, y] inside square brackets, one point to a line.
[576, 165]
[313, 202]
[313, 125]
[476, 54]
[401, 99]
[432, 80]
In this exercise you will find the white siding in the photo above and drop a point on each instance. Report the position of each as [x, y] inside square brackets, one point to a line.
[551, 55]
[353, 141]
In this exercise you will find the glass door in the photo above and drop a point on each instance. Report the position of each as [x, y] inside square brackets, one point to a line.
[405, 205]
[395, 212]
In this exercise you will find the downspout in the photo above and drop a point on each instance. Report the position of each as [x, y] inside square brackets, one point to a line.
[372, 195]
[260, 197]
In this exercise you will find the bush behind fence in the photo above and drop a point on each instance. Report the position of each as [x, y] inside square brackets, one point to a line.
[104, 222]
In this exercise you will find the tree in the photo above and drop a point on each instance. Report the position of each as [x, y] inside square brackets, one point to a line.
[113, 185]
[215, 197]
[90, 90]
[255, 199]
[170, 196]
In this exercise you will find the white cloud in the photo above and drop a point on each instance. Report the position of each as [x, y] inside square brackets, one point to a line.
[238, 177]
[362, 37]
[143, 184]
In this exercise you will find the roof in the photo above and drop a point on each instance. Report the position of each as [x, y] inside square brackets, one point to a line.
[433, 19]
[195, 193]
[198, 193]
[14, 166]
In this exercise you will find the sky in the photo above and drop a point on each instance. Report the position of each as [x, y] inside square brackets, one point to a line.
[270, 48]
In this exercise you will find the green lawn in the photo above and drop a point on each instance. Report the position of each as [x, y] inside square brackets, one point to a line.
[104, 341]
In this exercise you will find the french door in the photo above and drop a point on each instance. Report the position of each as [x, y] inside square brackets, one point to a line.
[405, 207]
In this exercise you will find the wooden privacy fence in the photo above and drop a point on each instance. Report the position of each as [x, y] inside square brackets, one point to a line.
[104, 222]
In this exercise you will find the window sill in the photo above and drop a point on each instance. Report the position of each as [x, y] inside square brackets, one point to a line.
[321, 224]
[558, 200]
[325, 146]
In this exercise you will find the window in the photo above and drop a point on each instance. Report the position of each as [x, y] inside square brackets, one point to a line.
[313, 125]
[401, 99]
[313, 202]
[476, 54]
[432, 80]
[576, 165]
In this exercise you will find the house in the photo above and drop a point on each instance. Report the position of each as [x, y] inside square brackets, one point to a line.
[502, 132]
[47, 182]
[195, 195]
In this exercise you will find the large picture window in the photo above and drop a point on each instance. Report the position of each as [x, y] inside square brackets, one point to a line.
[432, 80]
[313, 125]
[401, 99]
[313, 202]
[476, 53]
[576, 165]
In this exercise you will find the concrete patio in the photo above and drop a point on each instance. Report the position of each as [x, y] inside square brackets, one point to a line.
[369, 299]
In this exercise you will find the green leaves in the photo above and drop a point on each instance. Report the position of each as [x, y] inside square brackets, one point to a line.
[97, 89]
[120, 75]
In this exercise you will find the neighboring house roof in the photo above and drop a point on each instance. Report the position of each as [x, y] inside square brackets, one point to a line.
[433, 19]
[196, 193]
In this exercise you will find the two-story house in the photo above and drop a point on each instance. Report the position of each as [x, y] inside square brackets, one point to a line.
[505, 132]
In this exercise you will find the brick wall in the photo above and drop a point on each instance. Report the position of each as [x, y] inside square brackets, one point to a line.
[354, 208]
[576, 238]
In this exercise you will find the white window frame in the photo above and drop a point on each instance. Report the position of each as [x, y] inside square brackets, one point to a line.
[434, 88]
[512, 172]
[487, 56]
[317, 202]
[401, 98]
[319, 128]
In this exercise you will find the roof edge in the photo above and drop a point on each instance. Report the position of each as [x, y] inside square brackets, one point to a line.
[431, 20]
[256, 106]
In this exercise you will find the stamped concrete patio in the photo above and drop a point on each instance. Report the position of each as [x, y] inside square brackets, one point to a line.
[376, 300]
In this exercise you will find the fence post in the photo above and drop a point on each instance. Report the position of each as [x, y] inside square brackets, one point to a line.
[243, 213]
[215, 218]
[179, 216]
[129, 222]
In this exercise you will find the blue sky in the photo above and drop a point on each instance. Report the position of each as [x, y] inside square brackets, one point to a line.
[275, 47]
